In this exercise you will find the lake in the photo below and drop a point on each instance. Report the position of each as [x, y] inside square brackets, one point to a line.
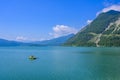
[59, 63]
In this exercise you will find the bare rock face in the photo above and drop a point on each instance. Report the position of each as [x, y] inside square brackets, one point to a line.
[103, 31]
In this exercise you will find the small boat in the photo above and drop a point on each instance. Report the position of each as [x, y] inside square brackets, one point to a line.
[32, 57]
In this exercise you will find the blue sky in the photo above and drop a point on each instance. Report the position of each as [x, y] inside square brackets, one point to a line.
[30, 20]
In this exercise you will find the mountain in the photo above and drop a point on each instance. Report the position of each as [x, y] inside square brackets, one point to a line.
[103, 31]
[54, 42]
[4, 42]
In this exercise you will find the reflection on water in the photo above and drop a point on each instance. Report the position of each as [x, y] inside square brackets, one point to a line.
[60, 63]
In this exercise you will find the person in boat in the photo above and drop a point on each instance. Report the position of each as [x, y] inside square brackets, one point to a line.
[32, 57]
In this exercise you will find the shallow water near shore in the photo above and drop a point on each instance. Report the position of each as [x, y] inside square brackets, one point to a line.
[59, 63]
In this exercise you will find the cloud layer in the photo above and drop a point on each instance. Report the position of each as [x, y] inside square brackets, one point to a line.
[115, 7]
[62, 30]
[21, 38]
[89, 21]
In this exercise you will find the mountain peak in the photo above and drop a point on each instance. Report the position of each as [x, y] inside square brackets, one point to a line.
[113, 12]
[103, 31]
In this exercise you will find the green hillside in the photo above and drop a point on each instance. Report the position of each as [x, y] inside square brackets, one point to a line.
[103, 31]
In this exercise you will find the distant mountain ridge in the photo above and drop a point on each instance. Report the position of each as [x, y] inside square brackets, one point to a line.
[4, 42]
[52, 42]
[55, 41]
[103, 31]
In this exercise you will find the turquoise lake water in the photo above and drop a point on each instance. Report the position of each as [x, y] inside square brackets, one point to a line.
[59, 63]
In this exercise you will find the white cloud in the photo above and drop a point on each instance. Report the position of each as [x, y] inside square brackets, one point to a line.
[89, 21]
[115, 7]
[21, 38]
[62, 30]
